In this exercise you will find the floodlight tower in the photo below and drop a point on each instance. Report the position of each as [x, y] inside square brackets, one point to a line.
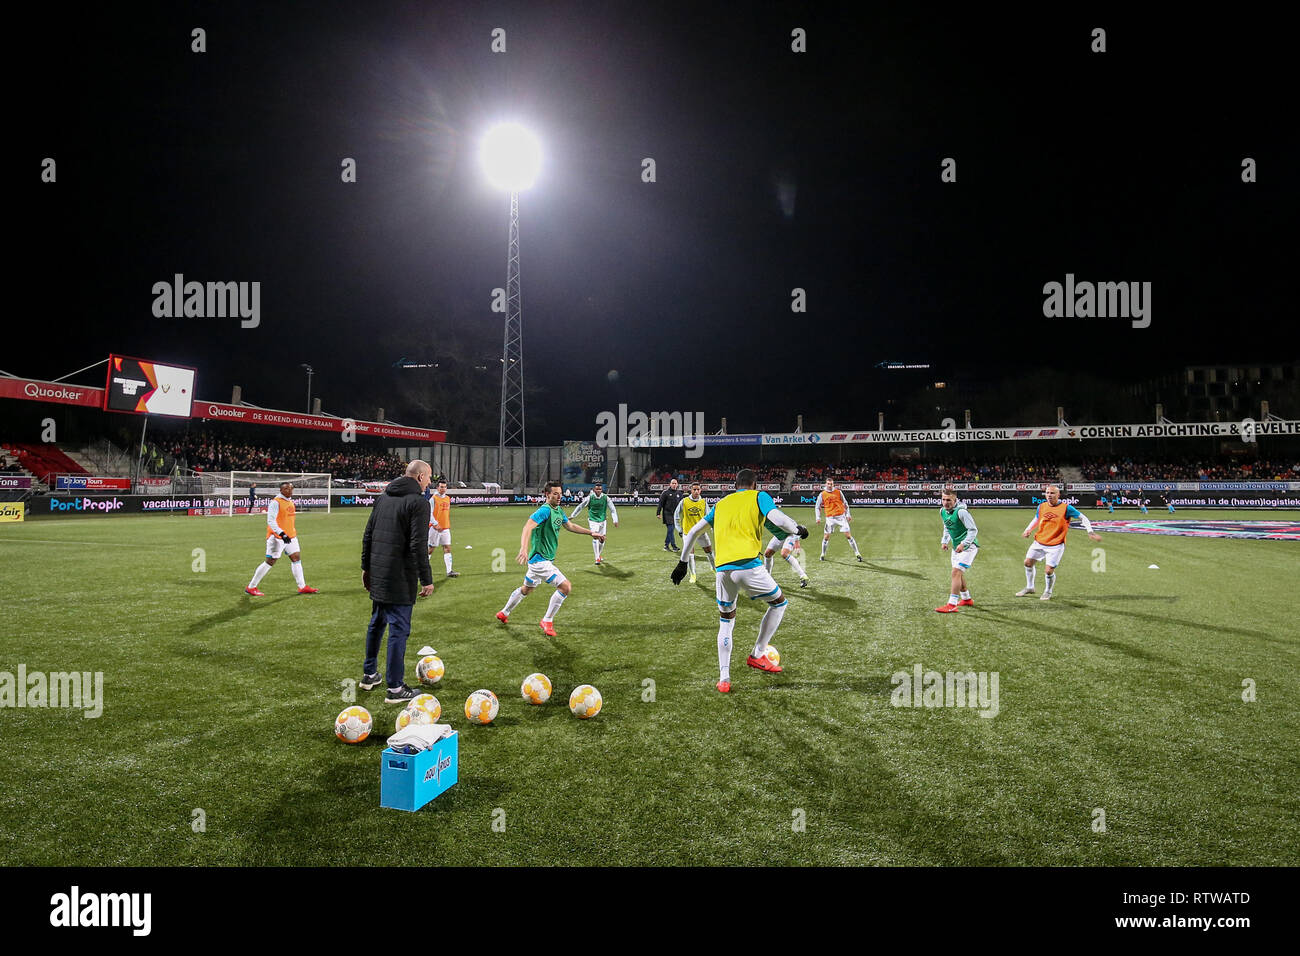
[511, 156]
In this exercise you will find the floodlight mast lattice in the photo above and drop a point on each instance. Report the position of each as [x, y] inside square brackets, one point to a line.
[510, 157]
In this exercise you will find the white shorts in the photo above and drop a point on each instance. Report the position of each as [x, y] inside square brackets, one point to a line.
[756, 582]
[965, 558]
[539, 571]
[703, 541]
[437, 537]
[1050, 553]
[785, 547]
[276, 546]
[596, 527]
[837, 523]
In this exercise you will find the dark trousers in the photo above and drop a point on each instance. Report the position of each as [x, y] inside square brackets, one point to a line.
[669, 539]
[397, 618]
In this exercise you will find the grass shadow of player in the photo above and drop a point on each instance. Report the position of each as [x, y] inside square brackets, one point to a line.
[1190, 625]
[832, 602]
[242, 609]
[880, 686]
[607, 570]
[871, 566]
[1079, 635]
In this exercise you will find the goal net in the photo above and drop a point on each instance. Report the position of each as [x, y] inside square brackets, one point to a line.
[250, 492]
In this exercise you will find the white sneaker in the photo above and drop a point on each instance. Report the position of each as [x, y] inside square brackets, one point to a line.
[1047, 596]
[1023, 591]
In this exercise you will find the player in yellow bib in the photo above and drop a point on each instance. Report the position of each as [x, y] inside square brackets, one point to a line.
[738, 522]
[690, 511]
[281, 538]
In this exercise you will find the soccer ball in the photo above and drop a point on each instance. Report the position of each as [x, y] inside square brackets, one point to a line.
[585, 701]
[481, 707]
[430, 670]
[353, 725]
[772, 654]
[536, 688]
[423, 709]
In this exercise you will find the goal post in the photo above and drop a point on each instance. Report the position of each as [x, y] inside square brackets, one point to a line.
[311, 491]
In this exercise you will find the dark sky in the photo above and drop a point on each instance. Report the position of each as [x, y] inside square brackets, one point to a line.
[225, 165]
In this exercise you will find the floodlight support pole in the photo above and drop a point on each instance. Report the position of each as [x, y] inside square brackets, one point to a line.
[511, 434]
[139, 455]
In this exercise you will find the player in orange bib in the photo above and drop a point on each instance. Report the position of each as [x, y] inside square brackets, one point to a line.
[440, 526]
[832, 501]
[281, 538]
[1052, 520]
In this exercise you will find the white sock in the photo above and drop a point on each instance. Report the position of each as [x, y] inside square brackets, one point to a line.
[768, 625]
[794, 563]
[965, 595]
[513, 602]
[825, 541]
[446, 560]
[296, 568]
[1030, 574]
[724, 647]
[595, 547]
[712, 564]
[1051, 582]
[854, 544]
[259, 574]
[767, 562]
[690, 563]
[953, 599]
[556, 600]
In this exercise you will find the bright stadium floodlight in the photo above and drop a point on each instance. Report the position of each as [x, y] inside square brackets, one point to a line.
[511, 157]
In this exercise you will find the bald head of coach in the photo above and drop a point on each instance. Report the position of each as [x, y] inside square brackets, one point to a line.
[394, 569]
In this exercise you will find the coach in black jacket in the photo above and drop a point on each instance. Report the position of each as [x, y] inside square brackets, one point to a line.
[667, 508]
[394, 568]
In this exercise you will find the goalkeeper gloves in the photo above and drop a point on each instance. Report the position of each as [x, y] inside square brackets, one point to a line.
[801, 531]
[679, 572]
[284, 537]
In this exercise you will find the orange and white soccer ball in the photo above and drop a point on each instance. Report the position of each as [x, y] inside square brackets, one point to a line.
[430, 669]
[353, 725]
[536, 688]
[423, 709]
[481, 707]
[772, 654]
[585, 701]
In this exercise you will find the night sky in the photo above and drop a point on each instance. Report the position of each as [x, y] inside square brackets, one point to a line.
[775, 170]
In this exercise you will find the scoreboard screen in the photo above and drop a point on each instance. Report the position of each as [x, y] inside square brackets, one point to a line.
[135, 385]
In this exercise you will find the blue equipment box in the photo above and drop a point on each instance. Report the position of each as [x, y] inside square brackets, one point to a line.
[409, 781]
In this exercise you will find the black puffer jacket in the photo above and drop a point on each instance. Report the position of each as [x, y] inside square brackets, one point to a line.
[395, 549]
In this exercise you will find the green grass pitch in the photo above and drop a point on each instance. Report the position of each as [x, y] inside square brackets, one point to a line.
[1124, 694]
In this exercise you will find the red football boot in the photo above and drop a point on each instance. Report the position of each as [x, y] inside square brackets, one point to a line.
[763, 664]
[946, 608]
[503, 617]
[966, 602]
[254, 591]
[724, 686]
[548, 628]
[307, 589]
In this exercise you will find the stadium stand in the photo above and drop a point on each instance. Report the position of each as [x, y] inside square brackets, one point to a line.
[42, 460]
[202, 453]
[1012, 469]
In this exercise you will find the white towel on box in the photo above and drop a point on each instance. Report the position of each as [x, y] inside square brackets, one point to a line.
[421, 737]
